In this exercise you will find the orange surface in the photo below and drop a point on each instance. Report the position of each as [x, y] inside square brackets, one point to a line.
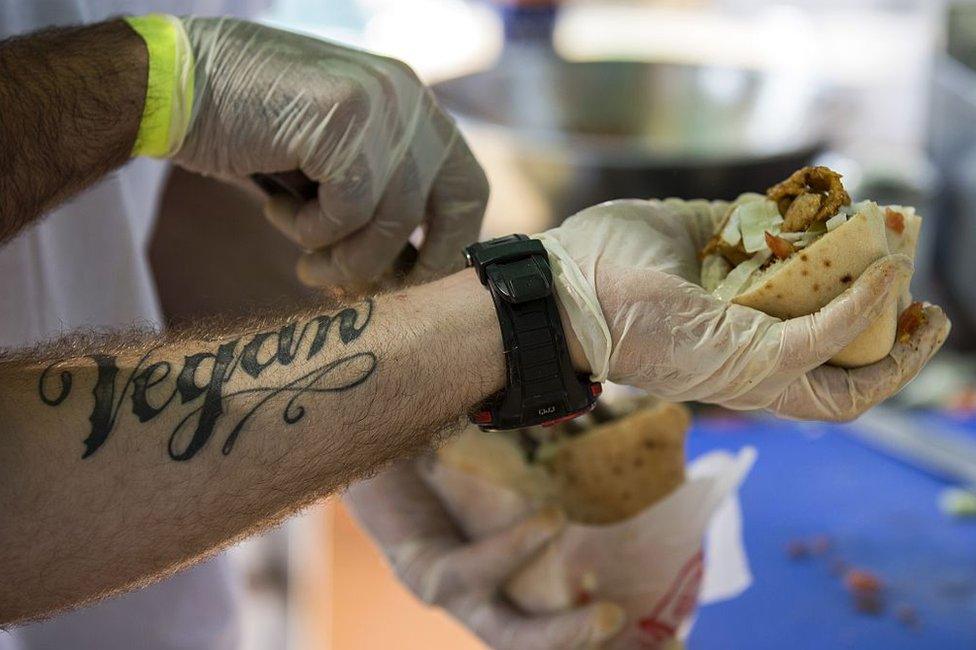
[371, 611]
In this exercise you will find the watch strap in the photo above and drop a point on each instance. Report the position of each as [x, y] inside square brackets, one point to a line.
[541, 385]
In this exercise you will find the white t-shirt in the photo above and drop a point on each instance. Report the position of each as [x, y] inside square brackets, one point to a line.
[85, 265]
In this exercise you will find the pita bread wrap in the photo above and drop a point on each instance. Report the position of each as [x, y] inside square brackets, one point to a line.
[636, 520]
[803, 270]
[615, 470]
[604, 474]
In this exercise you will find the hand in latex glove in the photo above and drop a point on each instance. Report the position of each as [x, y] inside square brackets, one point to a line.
[637, 261]
[386, 157]
[417, 536]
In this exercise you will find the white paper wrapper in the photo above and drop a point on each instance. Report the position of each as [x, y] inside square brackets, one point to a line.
[653, 565]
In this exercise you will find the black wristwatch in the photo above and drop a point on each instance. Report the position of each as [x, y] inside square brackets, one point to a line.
[542, 387]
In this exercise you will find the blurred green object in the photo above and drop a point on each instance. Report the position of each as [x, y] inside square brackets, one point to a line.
[958, 502]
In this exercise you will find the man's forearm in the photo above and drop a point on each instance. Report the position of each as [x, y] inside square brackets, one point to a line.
[71, 101]
[121, 465]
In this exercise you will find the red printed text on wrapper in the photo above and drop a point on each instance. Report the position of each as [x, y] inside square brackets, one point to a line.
[674, 606]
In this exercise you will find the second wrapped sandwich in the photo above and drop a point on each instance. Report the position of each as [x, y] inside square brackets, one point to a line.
[636, 516]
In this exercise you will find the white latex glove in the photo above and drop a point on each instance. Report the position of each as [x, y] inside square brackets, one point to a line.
[386, 157]
[431, 558]
[654, 327]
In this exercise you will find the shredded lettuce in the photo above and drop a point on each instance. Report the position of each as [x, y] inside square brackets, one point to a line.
[714, 270]
[756, 218]
[836, 222]
[731, 234]
[813, 233]
[738, 277]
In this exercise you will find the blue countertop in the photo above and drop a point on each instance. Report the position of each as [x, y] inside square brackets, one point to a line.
[880, 515]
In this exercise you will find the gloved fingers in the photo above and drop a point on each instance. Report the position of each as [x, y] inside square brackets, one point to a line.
[407, 520]
[399, 213]
[904, 300]
[701, 218]
[836, 394]
[397, 506]
[429, 138]
[484, 565]
[811, 341]
[368, 253]
[455, 209]
[282, 213]
[346, 203]
[905, 360]
[503, 627]
[381, 181]
[340, 209]
[801, 344]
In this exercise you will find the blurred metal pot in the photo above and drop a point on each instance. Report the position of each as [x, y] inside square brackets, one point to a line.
[586, 132]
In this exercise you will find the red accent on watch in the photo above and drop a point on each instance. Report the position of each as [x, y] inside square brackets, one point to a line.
[482, 417]
[570, 416]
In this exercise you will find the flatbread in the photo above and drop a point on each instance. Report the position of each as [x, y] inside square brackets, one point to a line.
[605, 475]
[905, 243]
[617, 469]
[499, 460]
[809, 279]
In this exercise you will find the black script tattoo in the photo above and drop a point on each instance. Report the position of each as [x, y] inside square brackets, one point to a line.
[202, 377]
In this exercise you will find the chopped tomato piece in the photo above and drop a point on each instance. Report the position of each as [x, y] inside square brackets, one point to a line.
[797, 549]
[780, 247]
[860, 581]
[907, 615]
[820, 544]
[895, 220]
[910, 320]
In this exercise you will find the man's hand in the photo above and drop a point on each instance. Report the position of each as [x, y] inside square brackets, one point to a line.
[672, 338]
[386, 157]
[431, 558]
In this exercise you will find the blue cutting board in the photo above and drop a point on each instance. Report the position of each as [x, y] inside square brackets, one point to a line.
[881, 515]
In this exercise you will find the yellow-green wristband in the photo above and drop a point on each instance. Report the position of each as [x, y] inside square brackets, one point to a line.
[169, 88]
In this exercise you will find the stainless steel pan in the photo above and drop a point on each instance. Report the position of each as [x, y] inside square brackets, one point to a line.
[589, 132]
